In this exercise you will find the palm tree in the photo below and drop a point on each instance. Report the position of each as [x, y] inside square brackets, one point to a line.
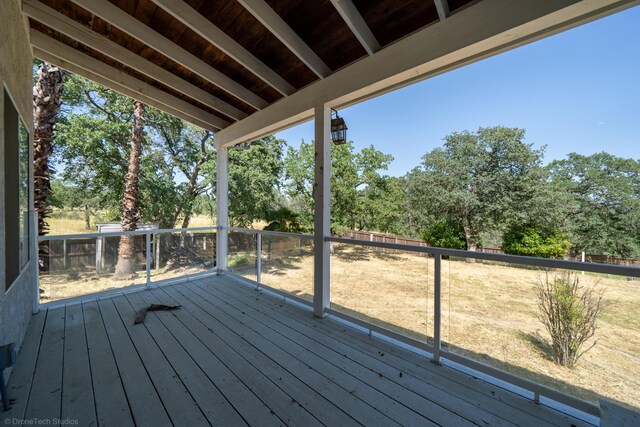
[47, 94]
[125, 268]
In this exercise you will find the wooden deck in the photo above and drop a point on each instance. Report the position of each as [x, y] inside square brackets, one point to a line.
[232, 356]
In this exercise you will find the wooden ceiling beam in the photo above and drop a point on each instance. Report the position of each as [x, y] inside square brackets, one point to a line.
[214, 35]
[137, 89]
[358, 26]
[484, 29]
[136, 29]
[276, 25]
[73, 29]
[442, 6]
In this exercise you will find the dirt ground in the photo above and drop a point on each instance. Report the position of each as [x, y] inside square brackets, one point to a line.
[489, 311]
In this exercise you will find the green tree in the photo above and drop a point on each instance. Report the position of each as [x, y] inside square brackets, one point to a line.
[484, 180]
[353, 174]
[445, 234]
[604, 202]
[529, 241]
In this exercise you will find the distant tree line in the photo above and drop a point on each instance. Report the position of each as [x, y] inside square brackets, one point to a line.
[483, 188]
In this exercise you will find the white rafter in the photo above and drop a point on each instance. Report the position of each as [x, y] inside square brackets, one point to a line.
[138, 88]
[214, 35]
[442, 6]
[356, 23]
[276, 25]
[130, 25]
[67, 26]
[481, 30]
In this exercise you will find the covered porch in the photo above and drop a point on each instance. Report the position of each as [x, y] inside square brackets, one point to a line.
[234, 356]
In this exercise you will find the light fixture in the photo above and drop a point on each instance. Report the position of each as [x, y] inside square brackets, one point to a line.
[338, 129]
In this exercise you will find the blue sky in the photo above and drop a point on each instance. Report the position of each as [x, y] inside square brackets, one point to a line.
[576, 91]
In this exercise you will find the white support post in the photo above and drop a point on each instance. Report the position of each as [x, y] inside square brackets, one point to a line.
[322, 210]
[258, 260]
[222, 208]
[148, 257]
[437, 314]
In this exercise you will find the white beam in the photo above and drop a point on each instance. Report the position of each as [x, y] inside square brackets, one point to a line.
[479, 31]
[53, 59]
[356, 23]
[67, 26]
[222, 207]
[322, 211]
[48, 44]
[130, 25]
[214, 35]
[276, 25]
[442, 6]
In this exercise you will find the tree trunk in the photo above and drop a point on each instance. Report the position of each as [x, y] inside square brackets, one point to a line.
[47, 94]
[87, 218]
[469, 236]
[125, 268]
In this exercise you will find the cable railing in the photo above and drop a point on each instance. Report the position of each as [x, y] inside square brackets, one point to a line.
[75, 265]
[450, 303]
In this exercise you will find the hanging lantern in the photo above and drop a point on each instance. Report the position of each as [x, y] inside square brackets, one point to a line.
[338, 129]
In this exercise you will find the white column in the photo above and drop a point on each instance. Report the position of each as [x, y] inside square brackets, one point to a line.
[222, 207]
[321, 193]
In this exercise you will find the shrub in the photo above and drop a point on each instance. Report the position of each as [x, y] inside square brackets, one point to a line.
[445, 234]
[527, 240]
[569, 314]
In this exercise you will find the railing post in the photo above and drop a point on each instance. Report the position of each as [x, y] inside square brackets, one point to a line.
[148, 256]
[258, 260]
[437, 314]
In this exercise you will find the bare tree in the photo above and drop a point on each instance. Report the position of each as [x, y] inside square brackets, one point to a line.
[125, 268]
[47, 94]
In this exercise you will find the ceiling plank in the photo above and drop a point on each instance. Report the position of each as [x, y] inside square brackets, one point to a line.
[442, 6]
[214, 35]
[67, 26]
[130, 25]
[482, 30]
[276, 25]
[139, 88]
[358, 26]
[53, 59]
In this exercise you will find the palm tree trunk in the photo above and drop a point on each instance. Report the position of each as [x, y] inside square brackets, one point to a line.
[47, 94]
[125, 268]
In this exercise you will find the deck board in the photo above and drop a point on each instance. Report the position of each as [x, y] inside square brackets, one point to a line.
[233, 356]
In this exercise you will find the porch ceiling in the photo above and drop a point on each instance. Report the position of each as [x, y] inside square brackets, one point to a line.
[247, 68]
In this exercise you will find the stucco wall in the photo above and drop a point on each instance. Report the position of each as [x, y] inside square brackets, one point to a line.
[16, 304]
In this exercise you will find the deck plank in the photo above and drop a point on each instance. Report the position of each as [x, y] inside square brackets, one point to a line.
[46, 393]
[21, 378]
[426, 399]
[77, 388]
[301, 394]
[112, 407]
[180, 406]
[486, 396]
[396, 402]
[248, 405]
[145, 404]
[216, 408]
[462, 400]
[343, 398]
[275, 398]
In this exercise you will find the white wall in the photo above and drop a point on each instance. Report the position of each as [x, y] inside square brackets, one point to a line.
[15, 74]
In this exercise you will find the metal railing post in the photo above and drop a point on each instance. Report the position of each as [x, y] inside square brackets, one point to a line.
[258, 260]
[148, 257]
[437, 314]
